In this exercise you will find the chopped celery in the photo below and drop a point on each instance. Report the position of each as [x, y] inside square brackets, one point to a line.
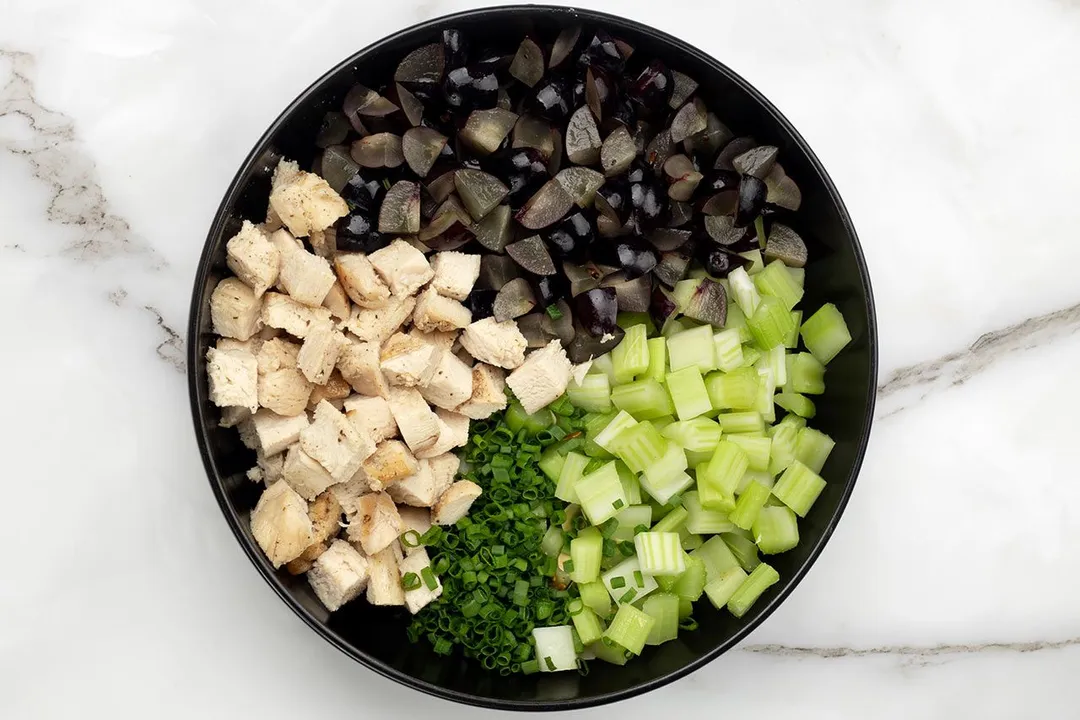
[690, 584]
[757, 450]
[718, 480]
[766, 390]
[761, 477]
[592, 394]
[664, 609]
[757, 264]
[586, 551]
[659, 553]
[666, 476]
[593, 450]
[702, 521]
[761, 579]
[608, 431]
[600, 494]
[630, 628]
[812, 448]
[720, 590]
[657, 369]
[798, 275]
[717, 557]
[684, 291]
[750, 356]
[644, 399]
[587, 624]
[673, 327]
[776, 530]
[572, 471]
[626, 580]
[631, 356]
[729, 352]
[793, 420]
[686, 608]
[798, 488]
[825, 333]
[688, 393]
[690, 541]
[596, 598]
[770, 324]
[744, 550]
[669, 488]
[603, 365]
[735, 423]
[735, 390]
[630, 485]
[630, 518]
[736, 318]
[639, 446]
[796, 403]
[782, 451]
[552, 542]
[612, 654]
[551, 464]
[745, 292]
[699, 435]
[749, 505]
[775, 281]
[792, 340]
[776, 361]
[517, 419]
[672, 522]
[555, 648]
[627, 320]
[692, 348]
[805, 374]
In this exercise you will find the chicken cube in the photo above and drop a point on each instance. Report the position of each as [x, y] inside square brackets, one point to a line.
[337, 302]
[253, 258]
[360, 281]
[335, 443]
[415, 519]
[272, 467]
[444, 470]
[402, 267]
[454, 504]
[306, 560]
[419, 597]
[434, 312]
[306, 277]
[542, 378]
[281, 311]
[319, 353]
[384, 578]
[231, 416]
[304, 474]
[376, 523]
[418, 425]
[277, 354]
[335, 390]
[417, 489]
[251, 345]
[274, 433]
[359, 365]
[442, 339]
[235, 311]
[392, 461]
[234, 378]
[408, 362]
[455, 274]
[450, 383]
[495, 343]
[339, 575]
[280, 524]
[488, 393]
[284, 391]
[348, 493]
[377, 325]
[453, 432]
[371, 415]
[304, 201]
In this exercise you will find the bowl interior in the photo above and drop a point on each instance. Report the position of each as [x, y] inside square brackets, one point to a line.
[837, 274]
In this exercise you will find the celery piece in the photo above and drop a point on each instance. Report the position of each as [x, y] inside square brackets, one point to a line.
[603, 365]
[604, 434]
[588, 625]
[812, 448]
[555, 648]
[736, 318]
[745, 292]
[631, 356]
[734, 423]
[572, 471]
[716, 556]
[761, 579]
[792, 340]
[682, 324]
[672, 522]
[698, 435]
[630, 485]
[690, 541]
[720, 590]
[664, 491]
[718, 480]
[798, 275]
[761, 477]
[735, 390]
[639, 446]
[630, 518]
[627, 320]
[798, 488]
[662, 422]
[750, 356]
[659, 553]
[766, 390]
[691, 582]
[805, 374]
[692, 348]
[702, 521]
[630, 628]
[592, 394]
[776, 530]
[729, 352]
[596, 598]
[644, 399]
[825, 333]
[664, 608]
[749, 504]
[796, 403]
[688, 393]
[684, 291]
[770, 324]
[600, 494]
[782, 451]
[551, 464]
[596, 452]
[586, 551]
[552, 542]
[757, 263]
[666, 476]
[612, 654]
[775, 281]
[775, 360]
[793, 420]
[757, 450]
[626, 576]
[743, 548]
[657, 369]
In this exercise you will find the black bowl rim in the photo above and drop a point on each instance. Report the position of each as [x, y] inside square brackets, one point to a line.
[194, 364]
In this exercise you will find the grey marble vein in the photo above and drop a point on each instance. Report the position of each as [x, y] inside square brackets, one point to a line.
[956, 368]
[171, 349]
[911, 653]
[58, 159]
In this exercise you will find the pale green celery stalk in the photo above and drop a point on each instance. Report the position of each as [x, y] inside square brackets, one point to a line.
[612, 654]
[729, 350]
[600, 494]
[630, 485]
[629, 518]
[672, 522]
[690, 541]
[588, 625]
[825, 333]
[572, 471]
[717, 480]
[761, 579]
[666, 477]
[678, 325]
[812, 448]
[551, 464]
[627, 576]
[717, 557]
[662, 422]
[776, 361]
[750, 356]
[770, 324]
[745, 292]
[734, 423]
[793, 420]
[766, 391]
[798, 488]
[659, 553]
[631, 356]
[644, 399]
[611, 429]
[792, 340]
[796, 403]
[776, 530]
[596, 598]
[697, 435]
[757, 264]
[805, 374]
[757, 449]
[761, 477]
[603, 365]
[690, 584]
[782, 452]
[553, 540]
[798, 275]
[736, 318]
[586, 551]
[664, 609]
[687, 390]
[744, 549]
[776, 281]
[657, 369]
[692, 348]
[592, 394]
[630, 628]
[702, 521]
[720, 590]
[748, 505]
[639, 446]
[735, 390]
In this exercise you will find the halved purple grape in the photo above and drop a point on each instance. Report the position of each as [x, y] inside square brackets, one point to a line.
[400, 211]
[338, 168]
[682, 176]
[561, 322]
[722, 229]
[629, 254]
[672, 267]
[653, 87]
[734, 148]
[455, 47]
[564, 45]
[555, 162]
[362, 194]
[613, 200]
[382, 150]
[481, 192]
[722, 203]
[585, 346]
[668, 239]
[451, 222]
[471, 87]
[421, 147]
[481, 302]
[721, 180]
[784, 244]
[649, 200]
[355, 233]
[441, 187]
[662, 306]
[683, 86]
[571, 238]
[485, 130]
[597, 310]
[410, 105]
[782, 190]
[681, 213]
[582, 277]
[707, 142]
[548, 206]
[691, 119]
[602, 52]
[333, 131]
[532, 254]
[553, 99]
[496, 271]
[757, 162]
[534, 328]
[515, 299]
[424, 65]
[532, 132]
[708, 304]
[581, 183]
[659, 149]
[494, 231]
[365, 102]
[752, 193]
[583, 138]
[550, 288]
[528, 64]
[526, 172]
[618, 152]
[632, 295]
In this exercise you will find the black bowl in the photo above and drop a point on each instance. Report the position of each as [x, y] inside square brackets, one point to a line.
[376, 636]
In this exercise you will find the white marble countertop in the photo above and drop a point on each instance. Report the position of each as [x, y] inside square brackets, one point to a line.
[950, 589]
